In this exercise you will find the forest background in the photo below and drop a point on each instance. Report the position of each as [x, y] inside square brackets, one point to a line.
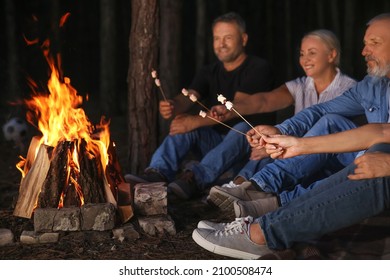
[109, 48]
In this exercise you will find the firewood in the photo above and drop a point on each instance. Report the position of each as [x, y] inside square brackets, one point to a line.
[35, 141]
[56, 177]
[91, 176]
[31, 184]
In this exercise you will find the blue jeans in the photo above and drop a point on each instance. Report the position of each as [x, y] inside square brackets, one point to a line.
[253, 166]
[283, 175]
[217, 153]
[335, 203]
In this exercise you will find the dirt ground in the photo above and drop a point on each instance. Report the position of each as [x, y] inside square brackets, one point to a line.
[93, 244]
[367, 240]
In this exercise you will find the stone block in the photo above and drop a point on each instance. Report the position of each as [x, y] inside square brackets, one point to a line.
[150, 199]
[29, 237]
[157, 225]
[98, 217]
[53, 219]
[32, 237]
[126, 232]
[6, 236]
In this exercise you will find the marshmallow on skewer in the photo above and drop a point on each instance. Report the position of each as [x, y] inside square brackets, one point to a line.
[203, 114]
[193, 98]
[158, 83]
[229, 105]
[184, 92]
[221, 98]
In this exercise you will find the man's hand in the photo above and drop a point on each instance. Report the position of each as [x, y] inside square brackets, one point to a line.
[282, 146]
[254, 138]
[258, 154]
[371, 165]
[166, 108]
[220, 112]
[183, 123]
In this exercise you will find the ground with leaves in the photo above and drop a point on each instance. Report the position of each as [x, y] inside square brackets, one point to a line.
[368, 240]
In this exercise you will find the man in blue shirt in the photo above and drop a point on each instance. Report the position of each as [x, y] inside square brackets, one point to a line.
[358, 191]
[285, 177]
[236, 75]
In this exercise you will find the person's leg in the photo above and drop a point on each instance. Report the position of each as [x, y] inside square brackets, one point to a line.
[286, 173]
[252, 167]
[286, 196]
[335, 203]
[169, 155]
[232, 151]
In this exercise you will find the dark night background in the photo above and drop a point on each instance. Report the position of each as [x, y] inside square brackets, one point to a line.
[90, 59]
[275, 28]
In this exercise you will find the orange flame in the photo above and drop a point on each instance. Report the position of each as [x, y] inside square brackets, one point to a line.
[59, 117]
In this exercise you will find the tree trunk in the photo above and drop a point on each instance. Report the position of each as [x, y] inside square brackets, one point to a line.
[142, 103]
[108, 89]
[170, 53]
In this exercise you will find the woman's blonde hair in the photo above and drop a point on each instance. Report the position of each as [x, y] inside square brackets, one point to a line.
[329, 39]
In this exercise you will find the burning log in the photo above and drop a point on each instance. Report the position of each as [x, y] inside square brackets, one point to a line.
[58, 178]
[67, 186]
[72, 164]
[30, 186]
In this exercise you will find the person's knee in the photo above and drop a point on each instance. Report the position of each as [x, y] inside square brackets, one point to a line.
[332, 119]
[330, 123]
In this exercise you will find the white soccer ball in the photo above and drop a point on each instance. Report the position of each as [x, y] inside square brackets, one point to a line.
[15, 129]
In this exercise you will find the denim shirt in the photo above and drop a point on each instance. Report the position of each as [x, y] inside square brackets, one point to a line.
[369, 97]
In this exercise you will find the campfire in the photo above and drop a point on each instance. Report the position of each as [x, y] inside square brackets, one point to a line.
[73, 163]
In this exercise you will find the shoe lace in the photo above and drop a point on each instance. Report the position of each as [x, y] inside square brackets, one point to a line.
[230, 185]
[239, 226]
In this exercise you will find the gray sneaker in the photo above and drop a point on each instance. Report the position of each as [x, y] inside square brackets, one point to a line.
[223, 197]
[233, 241]
[255, 208]
[204, 224]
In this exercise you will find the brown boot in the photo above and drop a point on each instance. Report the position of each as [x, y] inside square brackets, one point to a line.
[185, 186]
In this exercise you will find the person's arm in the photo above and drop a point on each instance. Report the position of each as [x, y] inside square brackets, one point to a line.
[261, 102]
[283, 146]
[180, 104]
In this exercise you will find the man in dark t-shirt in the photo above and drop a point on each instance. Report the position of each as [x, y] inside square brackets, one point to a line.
[235, 75]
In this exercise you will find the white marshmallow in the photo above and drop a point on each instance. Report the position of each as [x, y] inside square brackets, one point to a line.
[221, 98]
[193, 98]
[229, 105]
[184, 92]
[203, 114]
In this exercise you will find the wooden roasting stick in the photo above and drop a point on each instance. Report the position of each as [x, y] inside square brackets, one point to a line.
[158, 84]
[229, 106]
[203, 114]
[193, 98]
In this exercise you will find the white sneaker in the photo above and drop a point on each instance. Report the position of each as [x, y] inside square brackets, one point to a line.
[233, 241]
[231, 184]
[204, 224]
